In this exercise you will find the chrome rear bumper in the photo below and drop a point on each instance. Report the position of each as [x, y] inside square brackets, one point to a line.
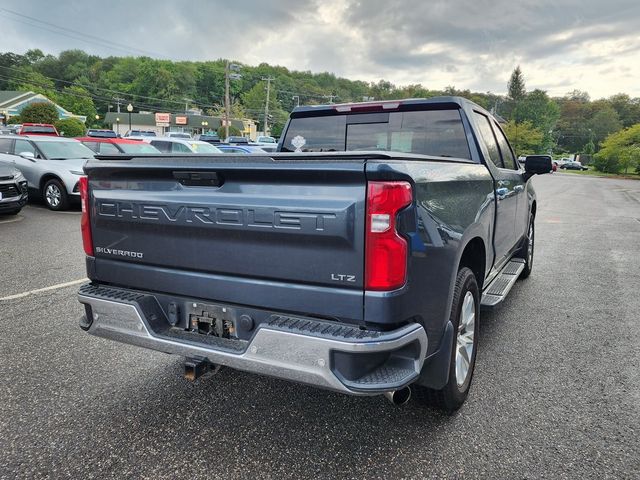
[384, 361]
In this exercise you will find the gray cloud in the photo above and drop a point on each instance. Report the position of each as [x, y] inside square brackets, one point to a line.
[466, 43]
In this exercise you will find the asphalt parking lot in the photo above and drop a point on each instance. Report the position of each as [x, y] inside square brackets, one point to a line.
[556, 392]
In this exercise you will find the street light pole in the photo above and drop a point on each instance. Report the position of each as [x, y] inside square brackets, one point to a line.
[118, 126]
[129, 109]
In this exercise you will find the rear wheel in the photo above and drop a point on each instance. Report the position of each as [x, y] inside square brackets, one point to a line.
[465, 319]
[55, 195]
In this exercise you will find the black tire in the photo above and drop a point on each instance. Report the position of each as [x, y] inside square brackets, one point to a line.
[525, 253]
[451, 397]
[55, 195]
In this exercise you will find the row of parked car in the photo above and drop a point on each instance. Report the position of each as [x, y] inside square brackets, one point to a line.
[48, 166]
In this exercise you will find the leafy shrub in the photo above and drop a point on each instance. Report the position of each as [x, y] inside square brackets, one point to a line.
[70, 127]
[41, 112]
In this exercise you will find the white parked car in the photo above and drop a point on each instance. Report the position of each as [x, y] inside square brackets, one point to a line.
[51, 165]
[180, 145]
[182, 135]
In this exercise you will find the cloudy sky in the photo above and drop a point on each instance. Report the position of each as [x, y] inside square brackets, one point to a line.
[561, 45]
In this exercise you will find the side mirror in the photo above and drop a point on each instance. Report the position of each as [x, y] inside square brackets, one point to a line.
[537, 165]
[28, 156]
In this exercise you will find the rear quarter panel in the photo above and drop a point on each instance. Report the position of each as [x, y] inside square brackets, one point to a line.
[453, 203]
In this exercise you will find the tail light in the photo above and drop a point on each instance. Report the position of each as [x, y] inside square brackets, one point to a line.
[85, 224]
[386, 250]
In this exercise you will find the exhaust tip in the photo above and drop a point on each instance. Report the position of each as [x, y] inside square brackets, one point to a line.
[399, 397]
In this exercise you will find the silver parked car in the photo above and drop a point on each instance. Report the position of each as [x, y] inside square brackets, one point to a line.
[13, 190]
[51, 165]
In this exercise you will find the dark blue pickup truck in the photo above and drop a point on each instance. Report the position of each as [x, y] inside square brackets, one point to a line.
[356, 258]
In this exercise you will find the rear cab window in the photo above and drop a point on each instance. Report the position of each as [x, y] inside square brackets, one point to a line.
[429, 132]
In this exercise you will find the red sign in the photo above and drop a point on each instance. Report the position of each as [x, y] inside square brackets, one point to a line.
[181, 120]
[163, 119]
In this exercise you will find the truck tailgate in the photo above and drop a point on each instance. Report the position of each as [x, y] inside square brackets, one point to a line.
[258, 218]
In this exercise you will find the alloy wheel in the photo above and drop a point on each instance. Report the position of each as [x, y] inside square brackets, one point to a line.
[53, 195]
[464, 340]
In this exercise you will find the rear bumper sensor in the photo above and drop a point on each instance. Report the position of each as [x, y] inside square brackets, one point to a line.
[325, 354]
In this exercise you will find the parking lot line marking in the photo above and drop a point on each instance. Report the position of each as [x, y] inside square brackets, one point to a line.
[11, 220]
[45, 289]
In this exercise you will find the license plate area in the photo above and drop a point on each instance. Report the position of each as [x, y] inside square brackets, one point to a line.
[211, 320]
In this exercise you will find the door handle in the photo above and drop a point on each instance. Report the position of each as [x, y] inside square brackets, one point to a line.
[501, 192]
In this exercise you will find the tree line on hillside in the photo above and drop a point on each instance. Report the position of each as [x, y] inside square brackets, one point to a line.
[88, 85]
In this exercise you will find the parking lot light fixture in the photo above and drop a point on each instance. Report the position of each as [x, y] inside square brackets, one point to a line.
[129, 109]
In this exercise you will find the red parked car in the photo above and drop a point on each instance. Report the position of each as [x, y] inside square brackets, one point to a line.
[108, 146]
[38, 129]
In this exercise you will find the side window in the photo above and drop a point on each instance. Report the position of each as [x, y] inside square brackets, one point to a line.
[490, 141]
[108, 148]
[5, 145]
[92, 145]
[507, 155]
[164, 147]
[23, 146]
[180, 148]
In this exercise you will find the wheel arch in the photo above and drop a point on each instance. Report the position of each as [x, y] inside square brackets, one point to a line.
[474, 256]
[49, 176]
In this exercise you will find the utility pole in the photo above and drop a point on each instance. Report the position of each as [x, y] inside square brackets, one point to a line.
[266, 104]
[226, 100]
[118, 100]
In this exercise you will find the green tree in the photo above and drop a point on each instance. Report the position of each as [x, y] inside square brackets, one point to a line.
[515, 87]
[78, 101]
[619, 150]
[41, 112]
[604, 120]
[254, 101]
[524, 137]
[543, 113]
[70, 127]
[233, 131]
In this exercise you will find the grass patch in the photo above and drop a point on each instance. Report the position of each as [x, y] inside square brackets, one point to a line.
[594, 173]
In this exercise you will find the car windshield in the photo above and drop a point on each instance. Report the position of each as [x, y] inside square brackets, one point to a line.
[203, 147]
[64, 150]
[141, 147]
[180, 135]
[102, 134]
[267, 140]
[38, 129]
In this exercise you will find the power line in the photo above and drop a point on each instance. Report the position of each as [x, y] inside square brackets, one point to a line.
[78, 35]
[91, 87]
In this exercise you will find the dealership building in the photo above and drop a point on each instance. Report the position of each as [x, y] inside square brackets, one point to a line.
[161, 123]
